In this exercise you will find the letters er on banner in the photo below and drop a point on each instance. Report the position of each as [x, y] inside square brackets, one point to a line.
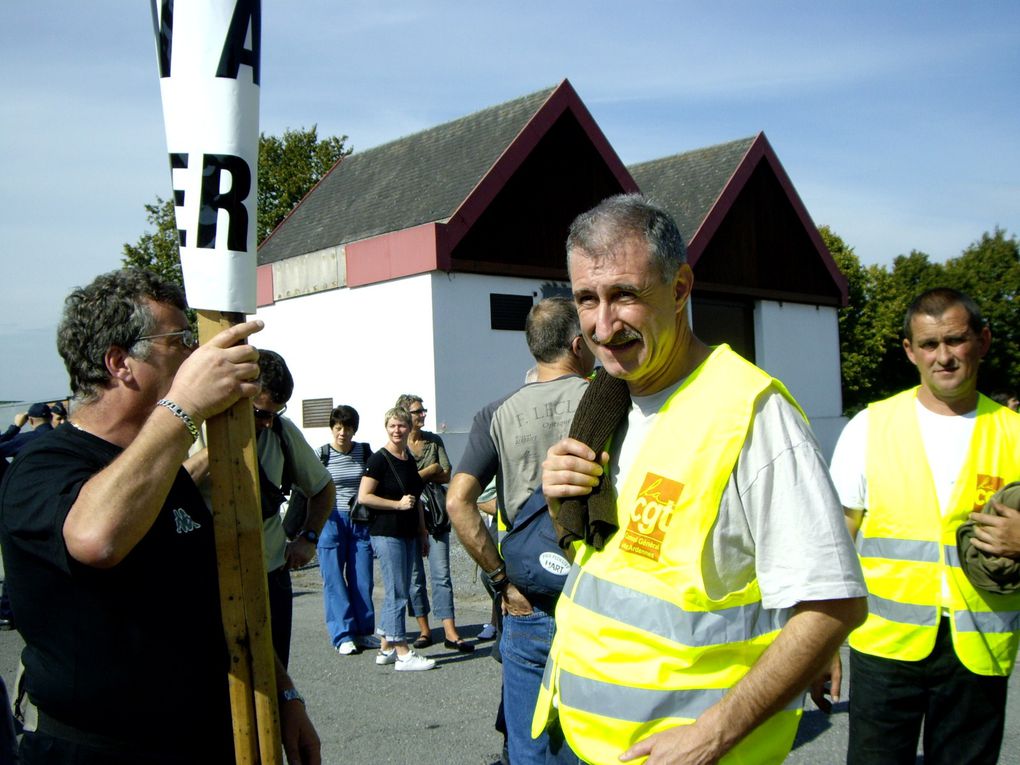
[208, 55]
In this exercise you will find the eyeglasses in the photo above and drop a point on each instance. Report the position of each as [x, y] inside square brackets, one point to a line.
[413, 412]
[267, 414]
[188, 338]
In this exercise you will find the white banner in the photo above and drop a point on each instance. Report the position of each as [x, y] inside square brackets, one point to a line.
[208, 55]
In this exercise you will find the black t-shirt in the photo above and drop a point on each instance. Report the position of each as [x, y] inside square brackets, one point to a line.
[135, 652]
[394, 523]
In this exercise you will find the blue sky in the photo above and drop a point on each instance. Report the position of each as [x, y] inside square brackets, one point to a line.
[898, 122]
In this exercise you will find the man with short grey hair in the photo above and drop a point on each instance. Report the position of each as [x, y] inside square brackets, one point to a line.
[713, 577]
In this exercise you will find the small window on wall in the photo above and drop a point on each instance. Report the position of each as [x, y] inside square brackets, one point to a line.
[509, 311]
[315, 412]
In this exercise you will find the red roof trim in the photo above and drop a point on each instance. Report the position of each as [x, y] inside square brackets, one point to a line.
[761, 150]
[564, 98]
[392, 255]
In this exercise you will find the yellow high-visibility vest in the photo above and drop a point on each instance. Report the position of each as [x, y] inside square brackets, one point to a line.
[907, 545]
[640, 646]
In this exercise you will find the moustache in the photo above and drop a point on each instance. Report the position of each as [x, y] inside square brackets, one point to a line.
[617, 338]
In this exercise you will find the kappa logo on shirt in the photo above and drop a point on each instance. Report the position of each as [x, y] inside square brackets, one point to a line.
[184, 522]
[651, 516]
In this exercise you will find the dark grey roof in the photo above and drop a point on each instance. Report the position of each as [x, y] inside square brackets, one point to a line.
[688, 185]
[414, 180]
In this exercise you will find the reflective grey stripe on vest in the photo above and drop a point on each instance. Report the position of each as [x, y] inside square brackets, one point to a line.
[952, 555]
[640, 705]
[987, 622]
[900, 549]
[659, 617]
[904, 613]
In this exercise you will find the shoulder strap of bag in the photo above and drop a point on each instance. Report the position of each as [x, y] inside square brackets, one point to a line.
[287, 478]
[324, 455]
[389, 461]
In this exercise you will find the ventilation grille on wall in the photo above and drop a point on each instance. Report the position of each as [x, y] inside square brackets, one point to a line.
[315, 412]
[509, 311]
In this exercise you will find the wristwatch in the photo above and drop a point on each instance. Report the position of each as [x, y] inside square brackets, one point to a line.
[291, 694]
[310, 535]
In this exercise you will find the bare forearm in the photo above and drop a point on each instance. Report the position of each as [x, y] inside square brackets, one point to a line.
[197, 466]
[320, 506]
[801, 651]
[434, 473]
[376, 502]
[473, 534]
[118, 505]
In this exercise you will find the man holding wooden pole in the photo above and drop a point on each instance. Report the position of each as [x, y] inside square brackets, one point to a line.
[109, 547]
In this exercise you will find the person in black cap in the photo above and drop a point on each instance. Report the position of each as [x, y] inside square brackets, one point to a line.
[39, 418]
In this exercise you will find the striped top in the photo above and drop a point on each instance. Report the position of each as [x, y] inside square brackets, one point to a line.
[346, 471]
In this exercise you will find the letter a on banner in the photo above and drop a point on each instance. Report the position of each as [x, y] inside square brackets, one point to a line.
[208, 57]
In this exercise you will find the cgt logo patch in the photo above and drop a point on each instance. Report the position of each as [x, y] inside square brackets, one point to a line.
[987, 485]
[651, 516]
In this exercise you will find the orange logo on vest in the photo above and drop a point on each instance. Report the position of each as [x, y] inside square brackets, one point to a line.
[651, 516]
[987, 485]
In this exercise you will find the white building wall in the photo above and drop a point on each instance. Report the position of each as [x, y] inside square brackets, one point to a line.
[428, 335]
[362, 347]
[476, 364]
[799, 344]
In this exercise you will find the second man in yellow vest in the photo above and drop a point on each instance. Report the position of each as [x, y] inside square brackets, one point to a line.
[909, 470]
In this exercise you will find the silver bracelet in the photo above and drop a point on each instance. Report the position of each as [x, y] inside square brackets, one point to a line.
[181, 415]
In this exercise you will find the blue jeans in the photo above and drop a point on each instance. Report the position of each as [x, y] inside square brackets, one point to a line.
[346, 565]
[525, 647]
[395, 555]
[442, 585]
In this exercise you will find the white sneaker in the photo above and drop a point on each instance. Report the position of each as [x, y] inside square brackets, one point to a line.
[367, 642]
[347, 648]
[488, 632]
[413, 662]
[386, 657]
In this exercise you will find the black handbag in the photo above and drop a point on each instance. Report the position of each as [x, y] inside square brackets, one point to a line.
[359, 513]
[433, 497]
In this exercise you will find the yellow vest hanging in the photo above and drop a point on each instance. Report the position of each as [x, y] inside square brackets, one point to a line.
[640, 646]
[907, 545]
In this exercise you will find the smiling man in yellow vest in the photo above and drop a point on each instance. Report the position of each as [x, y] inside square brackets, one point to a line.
[909, 471]
[690, 635]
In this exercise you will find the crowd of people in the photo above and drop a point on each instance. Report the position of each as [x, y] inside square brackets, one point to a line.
[674, 562]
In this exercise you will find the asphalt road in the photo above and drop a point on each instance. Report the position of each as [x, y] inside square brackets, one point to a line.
[367, 714]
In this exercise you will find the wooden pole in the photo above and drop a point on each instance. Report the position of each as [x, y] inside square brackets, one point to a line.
[244, 599]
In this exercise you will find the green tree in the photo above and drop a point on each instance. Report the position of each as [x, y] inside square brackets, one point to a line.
[989, 271]
[858, 343]
[158, 249]
[289, 166]
[892, 292]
